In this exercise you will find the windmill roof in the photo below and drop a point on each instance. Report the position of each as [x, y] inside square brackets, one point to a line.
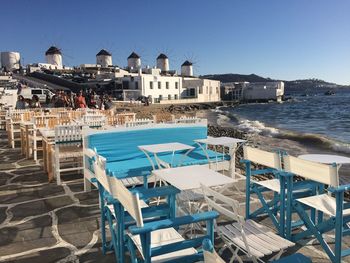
[187, 63]
[162, 56]
[53, 50]
[134, 55]
[103, 52]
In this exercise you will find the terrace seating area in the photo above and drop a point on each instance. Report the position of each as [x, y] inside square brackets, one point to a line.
[101, 186]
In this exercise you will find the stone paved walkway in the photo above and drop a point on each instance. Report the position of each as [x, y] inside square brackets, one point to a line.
[42, 222]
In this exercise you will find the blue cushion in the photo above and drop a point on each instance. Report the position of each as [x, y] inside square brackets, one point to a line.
[129, 168]
[123, 145]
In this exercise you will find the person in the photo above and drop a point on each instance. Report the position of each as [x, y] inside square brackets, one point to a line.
[35, 103]
[108, 103]
[80, 100]
[20, 104]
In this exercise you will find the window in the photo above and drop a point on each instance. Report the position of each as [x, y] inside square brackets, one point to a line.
[206, 89]
[176, 85]
[217, 90]
[211, 90]
[151, 84]
[159, 85]
[160, 97]
[200, 90]
[169, 97]
[36, 91]
[175, 96]
[167, 85]
[136, 85]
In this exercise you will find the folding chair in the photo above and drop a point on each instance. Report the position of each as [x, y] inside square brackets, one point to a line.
[330, 203]
[253, 239]
[210, 256]
[277, 186]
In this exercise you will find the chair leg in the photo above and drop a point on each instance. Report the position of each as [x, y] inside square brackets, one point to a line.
[114, 239]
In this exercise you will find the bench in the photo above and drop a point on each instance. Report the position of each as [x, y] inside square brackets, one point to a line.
[119, 146]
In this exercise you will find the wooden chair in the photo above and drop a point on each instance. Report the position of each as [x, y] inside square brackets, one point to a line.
[156, 240]
[35, 138]
[277, 208]
[68, 151]
[247, 236]
[138, 122]
[330, 203]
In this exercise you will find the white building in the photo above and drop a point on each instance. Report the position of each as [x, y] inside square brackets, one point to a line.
[54, 57]
[104, 58]
[159, 84]
[10, 60]
[263, 91]
[204, 90]
[150, 83]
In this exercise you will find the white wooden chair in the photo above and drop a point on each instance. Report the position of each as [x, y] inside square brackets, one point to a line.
[186, 119]
[68, 152]
[94, 121]
[330, 203]
[255, 240]
[138, 122]
[35, 138]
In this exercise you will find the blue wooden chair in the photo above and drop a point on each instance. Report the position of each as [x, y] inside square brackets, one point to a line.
[277, 209]
[109, 207]
[330, 203]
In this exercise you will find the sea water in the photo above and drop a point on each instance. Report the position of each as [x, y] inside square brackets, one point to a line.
[315, 119]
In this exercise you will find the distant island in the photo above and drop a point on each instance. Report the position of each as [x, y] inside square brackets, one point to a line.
[299, 85]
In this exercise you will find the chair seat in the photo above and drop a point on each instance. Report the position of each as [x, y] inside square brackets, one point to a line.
[274, 185]
[163, 237]
[129, 168]
[131, 181]
[261, 240]
[69, 152]
[295, 258]
[323, 203]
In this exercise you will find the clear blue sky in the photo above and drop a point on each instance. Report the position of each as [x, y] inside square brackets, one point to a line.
[273, 38]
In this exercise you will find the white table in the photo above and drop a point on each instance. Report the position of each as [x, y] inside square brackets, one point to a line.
[325, 158]
[191, 177]
[188, 178]
[163, 148]
[232, 143]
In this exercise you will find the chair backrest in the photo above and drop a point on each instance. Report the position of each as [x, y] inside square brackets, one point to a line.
[94, 120]
[322, 173]
[227, 207]
[186, 119]
[269, 159]
[138, 122]
[45, 121]
[130, 201]
[68, 133]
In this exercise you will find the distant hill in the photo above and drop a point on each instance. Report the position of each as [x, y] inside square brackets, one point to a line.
[290, 86]
[236, 78]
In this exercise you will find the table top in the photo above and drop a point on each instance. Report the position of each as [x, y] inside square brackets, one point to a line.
[165, 147]
[325, 158]
[47, 133]
[225, 141]
[190, 177]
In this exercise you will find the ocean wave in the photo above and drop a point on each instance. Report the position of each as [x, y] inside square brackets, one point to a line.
[257, 127]
[315, 140]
